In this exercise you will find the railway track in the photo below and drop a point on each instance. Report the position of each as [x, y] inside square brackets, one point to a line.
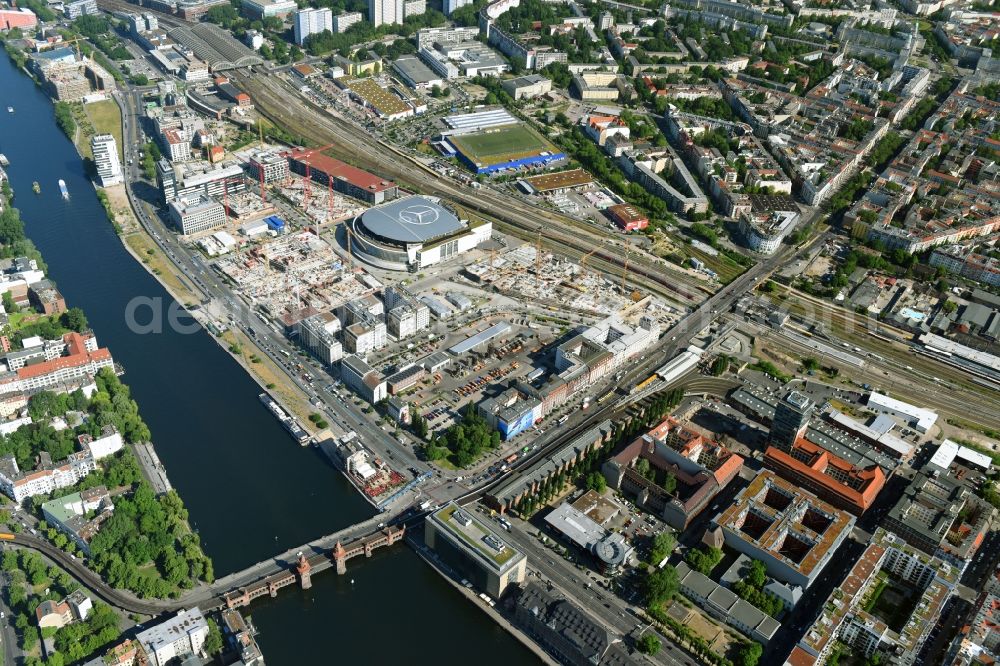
[900, 352]
[526, 221]
[169, 20]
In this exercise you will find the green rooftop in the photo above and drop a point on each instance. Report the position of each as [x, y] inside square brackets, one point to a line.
[499, 558]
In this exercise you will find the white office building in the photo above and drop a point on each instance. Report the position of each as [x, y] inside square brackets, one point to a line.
[381, 12]
[105, 150]
[318, 334]
[362, 379]
[310, 22]
[452, 5]
[78, 8]
[182, 635]
[341, 22]
[197, 213]
[919, 418]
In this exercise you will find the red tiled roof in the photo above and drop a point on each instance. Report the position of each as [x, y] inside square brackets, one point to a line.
[337, 169]
[869, 480]
[73, 361]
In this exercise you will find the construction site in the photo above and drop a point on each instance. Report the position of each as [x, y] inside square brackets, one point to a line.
[312, 194]
[530, 274]
[320, 204]
[246, 206]
[293, 272]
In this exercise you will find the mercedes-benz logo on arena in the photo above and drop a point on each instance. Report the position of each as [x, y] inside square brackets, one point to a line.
[419, 215]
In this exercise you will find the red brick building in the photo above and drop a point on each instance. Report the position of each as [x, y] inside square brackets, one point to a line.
[627, 217]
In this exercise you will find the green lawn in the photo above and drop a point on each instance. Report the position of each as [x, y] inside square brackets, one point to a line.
[726, 268]
[107, 119]
[500, 144]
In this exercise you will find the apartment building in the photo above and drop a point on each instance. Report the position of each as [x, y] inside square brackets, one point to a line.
[180, 636]
[105, 152]
[311, 21]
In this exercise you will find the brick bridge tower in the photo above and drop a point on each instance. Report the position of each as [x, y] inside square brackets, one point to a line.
[303, 568]
[340, 557]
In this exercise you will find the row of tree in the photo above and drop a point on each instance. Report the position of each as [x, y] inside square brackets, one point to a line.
[751, 589]
[464, 442]
[27, 573]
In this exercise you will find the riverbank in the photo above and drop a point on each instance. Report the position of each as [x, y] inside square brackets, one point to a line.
[110, 405]
[414, 541]
[142, 247]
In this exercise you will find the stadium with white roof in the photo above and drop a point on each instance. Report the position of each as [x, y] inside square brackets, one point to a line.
[414, 232]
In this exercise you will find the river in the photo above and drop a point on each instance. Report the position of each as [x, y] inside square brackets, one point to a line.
[250, 490]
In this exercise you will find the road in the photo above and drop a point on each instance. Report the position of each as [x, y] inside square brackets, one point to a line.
[606, 606]
[218, 298]
[8, 636]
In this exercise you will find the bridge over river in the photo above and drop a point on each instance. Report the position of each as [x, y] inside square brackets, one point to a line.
[240, 588]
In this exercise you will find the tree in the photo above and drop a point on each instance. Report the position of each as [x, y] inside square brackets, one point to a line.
[720, 365]
[649, 644]
[9, 305]
[224, 15]
[663, 545]
[661, 585]
[750, 654]
[670, 483]
[643, 467]
[596, 482]
[74, 319]
[703, 561]
[213, 642]
[758, 574]
[810, 364]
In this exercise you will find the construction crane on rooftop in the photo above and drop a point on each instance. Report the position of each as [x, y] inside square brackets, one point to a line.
[308, 177]
[76, 44]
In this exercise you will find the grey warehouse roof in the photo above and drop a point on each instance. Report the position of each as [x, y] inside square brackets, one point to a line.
[413, 219]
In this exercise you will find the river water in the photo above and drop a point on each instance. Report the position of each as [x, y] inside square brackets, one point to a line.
[250, 490]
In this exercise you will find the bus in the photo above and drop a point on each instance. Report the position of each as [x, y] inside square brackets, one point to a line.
[563, 419]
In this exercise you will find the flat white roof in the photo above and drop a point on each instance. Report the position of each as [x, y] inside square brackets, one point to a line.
[883, 437]
[949, 450]
[680, 364]
[976, 356]
[480, 119]
[925, 418]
